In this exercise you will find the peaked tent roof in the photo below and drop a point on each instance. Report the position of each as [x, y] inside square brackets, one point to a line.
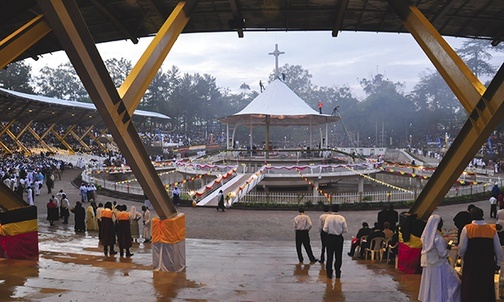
[283, 107]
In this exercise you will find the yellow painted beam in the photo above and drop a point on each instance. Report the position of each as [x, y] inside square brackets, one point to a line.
[37, 137]
[459, 77]
[22, 39]
[485, 106]
[97, 140]
[71, 30]
[487, 114]
[83, 144]
[18, 142]
[141, 76]
[62, 141]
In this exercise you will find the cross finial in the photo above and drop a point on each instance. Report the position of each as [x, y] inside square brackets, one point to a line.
[276, 53]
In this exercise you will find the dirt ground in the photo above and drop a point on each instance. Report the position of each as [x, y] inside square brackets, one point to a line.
[239, 224]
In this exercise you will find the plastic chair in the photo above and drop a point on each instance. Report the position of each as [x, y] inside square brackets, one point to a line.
[375, 246]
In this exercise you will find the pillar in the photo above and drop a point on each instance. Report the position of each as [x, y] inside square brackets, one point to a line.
[168, 243]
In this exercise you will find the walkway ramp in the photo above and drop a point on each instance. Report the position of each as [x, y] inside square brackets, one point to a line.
[211, 199]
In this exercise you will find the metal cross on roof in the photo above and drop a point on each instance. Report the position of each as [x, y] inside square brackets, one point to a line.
[276, 53]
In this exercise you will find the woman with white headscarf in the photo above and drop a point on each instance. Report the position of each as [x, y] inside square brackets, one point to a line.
[439, 281]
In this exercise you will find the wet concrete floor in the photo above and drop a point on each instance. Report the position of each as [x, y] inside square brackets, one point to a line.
[73, 268]
[233, 256]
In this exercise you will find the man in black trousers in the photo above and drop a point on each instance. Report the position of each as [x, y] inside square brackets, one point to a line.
[302, 225]
[335, 225]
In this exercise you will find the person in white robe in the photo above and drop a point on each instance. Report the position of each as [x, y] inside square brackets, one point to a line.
[439, 282]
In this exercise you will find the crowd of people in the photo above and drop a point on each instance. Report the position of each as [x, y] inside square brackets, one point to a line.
[113, 223]
[478, 248]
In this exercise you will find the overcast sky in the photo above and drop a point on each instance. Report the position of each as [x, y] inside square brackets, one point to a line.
[343, 60]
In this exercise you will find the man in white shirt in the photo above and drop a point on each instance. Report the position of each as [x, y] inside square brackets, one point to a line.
[302, 225]
[335, 225]
[493, 207]
[323, 235]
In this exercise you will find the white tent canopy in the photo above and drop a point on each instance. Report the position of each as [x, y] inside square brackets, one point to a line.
[282, 106]
[278, 105]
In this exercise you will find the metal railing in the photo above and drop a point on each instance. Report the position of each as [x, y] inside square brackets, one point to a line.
[340, 198]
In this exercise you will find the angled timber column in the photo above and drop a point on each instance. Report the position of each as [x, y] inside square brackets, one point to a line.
[19, 41]
[482, 121]
[461, 80]
[18, 142]
[37, 137]
[6, 149]
[81, 142]
[97, 140]
[74, 36]
[140, 77]
[62, 141]
[483, 105]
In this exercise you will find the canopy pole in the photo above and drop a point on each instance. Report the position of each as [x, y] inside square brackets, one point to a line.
[227, 136]
[250, 139]
[326, 135]
[310, 135]
[267, 136]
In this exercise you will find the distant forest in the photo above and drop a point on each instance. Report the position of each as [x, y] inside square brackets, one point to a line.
[386, 117]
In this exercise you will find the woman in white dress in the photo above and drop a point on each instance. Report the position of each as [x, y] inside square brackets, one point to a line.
[439, 281]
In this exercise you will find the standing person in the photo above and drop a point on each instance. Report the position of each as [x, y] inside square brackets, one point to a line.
[335, 225]
[107, 229]
[94, 192]
[176, 196]
[392, 217]
[220, 199]
[493, 207]
[60, 195]
[30, 196]
[89, 193]
[323, 235]
[461, 219]
[481, 252]
[52, 211]
[495, 190]
[56, 200]
[147, 202]
[135, 229]
[50, 182]
[83, 192]
[382, 217]
[147, 224]
[99, 211]
[64, 209]
[319, 105]
[91, 222]
[124, 239]
[80, 217]
[302, 225]
[439, 281]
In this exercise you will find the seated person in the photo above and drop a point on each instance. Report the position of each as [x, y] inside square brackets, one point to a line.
[387, 231]
[364, 231]
[375, 233]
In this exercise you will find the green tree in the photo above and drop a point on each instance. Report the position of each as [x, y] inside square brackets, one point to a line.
[61, 82]
[386, 113]
[16, 76]
[476, 53]
[118, 70]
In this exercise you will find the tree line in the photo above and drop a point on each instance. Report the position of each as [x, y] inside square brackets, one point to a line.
[387, 116]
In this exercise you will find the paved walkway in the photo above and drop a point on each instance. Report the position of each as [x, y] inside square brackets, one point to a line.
[238, 255]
